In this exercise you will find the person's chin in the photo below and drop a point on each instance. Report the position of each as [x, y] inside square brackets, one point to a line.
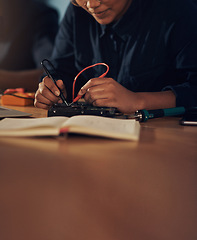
[103, 18]
[103, 21]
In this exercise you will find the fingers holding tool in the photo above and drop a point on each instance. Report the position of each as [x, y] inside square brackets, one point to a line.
[95, 92]
[85, 88]
[48, 93]
[106, 92]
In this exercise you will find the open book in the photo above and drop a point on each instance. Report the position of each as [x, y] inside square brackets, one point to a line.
[128, 129]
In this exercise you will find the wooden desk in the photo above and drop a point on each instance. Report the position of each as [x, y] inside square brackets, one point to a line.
[83, 188]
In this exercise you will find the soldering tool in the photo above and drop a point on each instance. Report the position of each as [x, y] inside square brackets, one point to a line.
[144, 115]
[49, 75]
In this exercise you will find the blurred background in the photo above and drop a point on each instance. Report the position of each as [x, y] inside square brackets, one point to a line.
[60, 5]
[27, 33]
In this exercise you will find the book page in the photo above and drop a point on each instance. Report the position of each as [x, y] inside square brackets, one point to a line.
[104, 126]
[83, 124]
[20, 124]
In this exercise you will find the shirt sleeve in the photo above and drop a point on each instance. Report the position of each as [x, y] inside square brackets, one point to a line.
[186, 67]
[184, 41]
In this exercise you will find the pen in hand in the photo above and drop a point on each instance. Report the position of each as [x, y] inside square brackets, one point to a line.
[49, 75]
[77, 98]
[101, 76]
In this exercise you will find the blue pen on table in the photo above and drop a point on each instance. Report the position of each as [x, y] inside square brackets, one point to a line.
[49, 75]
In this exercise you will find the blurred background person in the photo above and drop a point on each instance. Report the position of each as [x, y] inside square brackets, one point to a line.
[27, 33]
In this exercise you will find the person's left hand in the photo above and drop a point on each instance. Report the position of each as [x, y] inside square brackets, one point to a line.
[106, 92]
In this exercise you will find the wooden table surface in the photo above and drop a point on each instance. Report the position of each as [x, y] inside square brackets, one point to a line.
[88, 188]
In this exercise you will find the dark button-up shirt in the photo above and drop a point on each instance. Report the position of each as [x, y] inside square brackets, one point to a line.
[153, 47]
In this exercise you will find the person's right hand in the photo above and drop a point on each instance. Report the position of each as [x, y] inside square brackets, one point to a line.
[48, 93]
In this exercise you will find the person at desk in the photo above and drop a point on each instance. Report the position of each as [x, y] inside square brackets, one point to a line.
[149, 45]
[27, 34]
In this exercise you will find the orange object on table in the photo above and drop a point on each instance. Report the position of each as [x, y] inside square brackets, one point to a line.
[18, 99]
[14, 90]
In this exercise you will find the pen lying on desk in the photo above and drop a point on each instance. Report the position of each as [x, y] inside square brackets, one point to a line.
[144, 115]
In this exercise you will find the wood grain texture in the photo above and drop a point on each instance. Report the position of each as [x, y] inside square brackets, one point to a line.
[87, 188]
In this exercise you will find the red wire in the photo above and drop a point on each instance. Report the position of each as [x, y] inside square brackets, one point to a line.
[96, 64]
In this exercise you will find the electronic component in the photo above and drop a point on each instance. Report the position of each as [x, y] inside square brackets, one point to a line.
[82, 109]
